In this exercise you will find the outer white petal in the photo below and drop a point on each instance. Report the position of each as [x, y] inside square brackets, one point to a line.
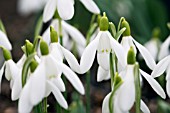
[154, 84]
[4, 41]
[164, 49]
[105, 104]
[168, 87]
[103, 60]
[91, 6]
[146, 55]
[20, 63]
[168, 72]
[161, 67]
[143, 107]
[89, 55]
[24, 105]
[59, 83]
[58, 95]
[37, 81]
[72, 61]
[65, 9]
[101, 74]
[127, 90]
[49, 10]
[17, 87]
[56, 52]
[46, 35]
[74, 33]
[72, 77]
[1, 73]
[118, 49]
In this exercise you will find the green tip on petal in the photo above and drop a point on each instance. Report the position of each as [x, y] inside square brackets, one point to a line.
[125, 24]
[53, 35]
[156, 32]
[104, 23]
[131, 57]
[29, 47]
[33, 65]
[6, 54]
[44, 48]
[117, 79]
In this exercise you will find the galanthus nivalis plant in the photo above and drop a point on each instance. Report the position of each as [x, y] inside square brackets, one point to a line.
[49, 64]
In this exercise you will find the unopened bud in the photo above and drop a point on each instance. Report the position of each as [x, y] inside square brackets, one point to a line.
[125, 24]
[44, 48]
[53, 35]
[131, 57]
[104, 23]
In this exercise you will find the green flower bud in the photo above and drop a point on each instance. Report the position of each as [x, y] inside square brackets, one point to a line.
[168, 24]
[53, 35]
[126, 25]
[156, 32]
[33, 65]
[131, 57]
[29, 47]
[44, 48]
[6, 53]
[104, 23]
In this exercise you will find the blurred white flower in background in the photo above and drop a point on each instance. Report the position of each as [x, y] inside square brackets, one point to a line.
[65, 8]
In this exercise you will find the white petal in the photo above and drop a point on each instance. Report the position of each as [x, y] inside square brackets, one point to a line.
[70, 58]
[89, 55]
[161, 67]
[105, 104]
[21, 62]
[102, 74]
[146, 55]
[37, 81]
[56, 52]
[143, 107]
[118, 49]
[127, 90]
[72, 77]
[91, 6]
[46, 35]
[4, 41]
[17, 87]
[24, 105]
[58, 95]
[74, 33]
[103, 60]
[168, 72]
[1, 73]
[49, 10]
[59, 83]
[168, 87]
[154, 84]
[164, 49]
[65, 9]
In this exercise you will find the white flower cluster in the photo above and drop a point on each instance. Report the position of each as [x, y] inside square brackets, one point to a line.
[38, 73]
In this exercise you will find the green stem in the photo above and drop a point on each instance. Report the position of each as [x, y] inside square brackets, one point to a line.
[45, 105]
[111, 69]
[88, 91]
[137, 88]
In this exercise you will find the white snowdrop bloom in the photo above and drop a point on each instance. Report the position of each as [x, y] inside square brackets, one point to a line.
[128, 87]
[161, 67]
[4, 42]
[65, 8]
[26, 7]
[47, 77]
[153, 47]
[67, 31]
[164, 49]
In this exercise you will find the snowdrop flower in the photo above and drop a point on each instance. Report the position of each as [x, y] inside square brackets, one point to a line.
[164, 49]
[104, 43]
[10, 68]
[47, 77]
[65, 8]
[25, 7]
[67, 31]
[161, 67]
[128, 41]
[128, 87]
